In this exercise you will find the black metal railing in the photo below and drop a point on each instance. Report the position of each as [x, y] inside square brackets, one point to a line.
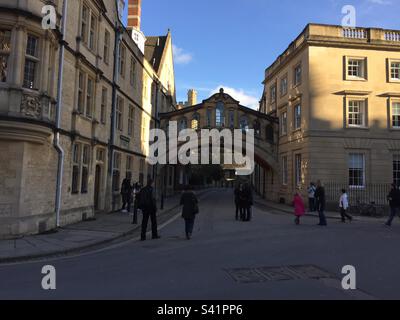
[372, 193]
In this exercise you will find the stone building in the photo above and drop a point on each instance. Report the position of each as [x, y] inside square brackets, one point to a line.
[76, 106]
[336, 92]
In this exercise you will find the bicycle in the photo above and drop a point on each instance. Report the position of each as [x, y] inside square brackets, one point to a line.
[370, 209]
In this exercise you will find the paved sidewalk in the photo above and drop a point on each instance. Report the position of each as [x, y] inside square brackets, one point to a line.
[329, 214]
[106, 228]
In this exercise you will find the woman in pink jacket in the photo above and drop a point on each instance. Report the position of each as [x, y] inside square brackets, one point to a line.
[299, 209]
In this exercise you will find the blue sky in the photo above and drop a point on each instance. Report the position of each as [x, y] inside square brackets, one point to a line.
[230, 42]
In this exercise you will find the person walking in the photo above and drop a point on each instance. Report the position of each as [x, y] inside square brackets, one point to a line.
[320, 203]
[394, 203]
[126, 193]
[189, 210]
[299, 208]
[344, 205]
[311, 197]
[136, 190]
[147, 203]
[237, 200]
[247, 202]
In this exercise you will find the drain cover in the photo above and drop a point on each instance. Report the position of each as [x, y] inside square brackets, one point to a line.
[282, 273]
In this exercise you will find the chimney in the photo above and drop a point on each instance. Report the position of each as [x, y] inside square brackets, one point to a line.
[192, 97]
[134, 14]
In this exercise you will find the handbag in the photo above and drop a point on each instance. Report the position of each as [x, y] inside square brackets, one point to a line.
[195, 206]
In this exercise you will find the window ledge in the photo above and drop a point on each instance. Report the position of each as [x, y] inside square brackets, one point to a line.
[359, 128]
[356, 79]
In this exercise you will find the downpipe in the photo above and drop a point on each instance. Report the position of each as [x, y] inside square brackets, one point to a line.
[57, 145]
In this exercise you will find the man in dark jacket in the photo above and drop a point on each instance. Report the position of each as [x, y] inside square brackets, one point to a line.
[237, 190]
[189, 211]
[394, 203]
[247, 202]
[126, 193]
[321, 203]
[147, 203]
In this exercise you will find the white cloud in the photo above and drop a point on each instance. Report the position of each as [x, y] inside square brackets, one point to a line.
[380, 2]
[245, 99]
[180, 56]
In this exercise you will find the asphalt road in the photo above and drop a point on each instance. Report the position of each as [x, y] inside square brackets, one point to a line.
[202, 268]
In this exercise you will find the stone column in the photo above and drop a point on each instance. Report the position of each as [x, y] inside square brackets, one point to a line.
[18, 52]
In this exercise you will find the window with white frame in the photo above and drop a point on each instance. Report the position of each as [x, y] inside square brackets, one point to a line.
[5, 50]
[106, 53]
[131, 120]
[356, 113]
[396, 115]
[356, 68]
[395, 70]
[103, 111]
[356, 169]
[297, 170]
[31, 62]
[297, 75]
[285, 170]
[284, 123]
[297, 116]
[92, 32]
[284, 86]
[396, 169]
[119, 114]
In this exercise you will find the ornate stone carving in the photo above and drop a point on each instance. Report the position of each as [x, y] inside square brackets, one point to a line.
[31, 107]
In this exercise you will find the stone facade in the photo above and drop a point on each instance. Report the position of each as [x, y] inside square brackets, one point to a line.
[344, 85]
[111, 97]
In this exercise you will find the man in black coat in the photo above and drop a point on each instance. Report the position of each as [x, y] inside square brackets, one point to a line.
[189, 211]
[147, 203]
[237, 190]
[321, 203]
[394, 203]
[126, 193]
[247, 202]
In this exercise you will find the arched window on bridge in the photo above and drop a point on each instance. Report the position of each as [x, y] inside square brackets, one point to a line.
[220, 115]
[244, 123]
[182, 124]
[257, 128]
[269, 133]
[195, 121]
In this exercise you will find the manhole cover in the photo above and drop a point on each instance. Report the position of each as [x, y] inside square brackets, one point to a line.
[282, 273]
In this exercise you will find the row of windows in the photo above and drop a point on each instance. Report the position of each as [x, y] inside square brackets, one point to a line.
[297, 116]
[120, 116]
[284, 84]
[357, 69]
[356, 115]
[356, 170]
[31, 63]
